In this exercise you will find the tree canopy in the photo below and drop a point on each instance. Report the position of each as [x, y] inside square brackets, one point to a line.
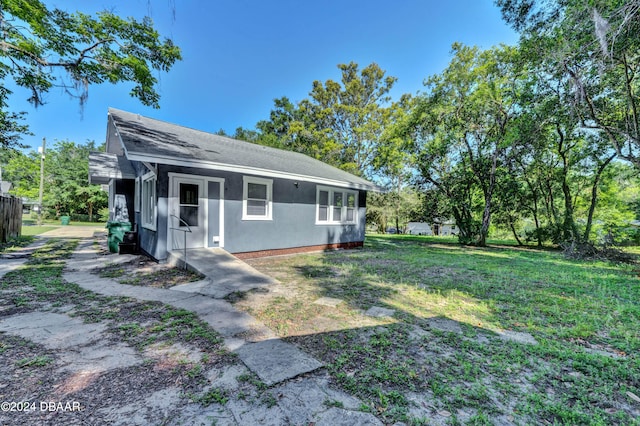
[594, 46]
[506, 137]
[66, 178]
[540, 140]
[43, 48]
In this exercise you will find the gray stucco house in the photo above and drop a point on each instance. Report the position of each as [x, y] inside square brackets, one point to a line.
[249, 199]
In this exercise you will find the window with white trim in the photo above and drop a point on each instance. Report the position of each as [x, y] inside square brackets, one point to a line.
[257, 198]
[323, 205]
[336, 206]
[148, 198]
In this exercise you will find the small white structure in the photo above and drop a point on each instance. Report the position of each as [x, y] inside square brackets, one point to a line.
[446, 227]
[419, 228]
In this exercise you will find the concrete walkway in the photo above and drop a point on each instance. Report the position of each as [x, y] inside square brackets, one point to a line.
[73, 231]
[15, 258]
[225, 274]
[271, 359]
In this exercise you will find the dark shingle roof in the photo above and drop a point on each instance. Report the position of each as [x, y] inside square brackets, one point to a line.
[152, 140]
[104, 166]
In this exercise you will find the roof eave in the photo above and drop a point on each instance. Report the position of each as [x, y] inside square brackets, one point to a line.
[137, 156]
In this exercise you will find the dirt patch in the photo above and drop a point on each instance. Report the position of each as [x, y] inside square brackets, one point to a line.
[60, 344]
[144, 271]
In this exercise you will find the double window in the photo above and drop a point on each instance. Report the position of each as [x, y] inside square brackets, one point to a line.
[148, 198]
[336, 206]
[257, 198]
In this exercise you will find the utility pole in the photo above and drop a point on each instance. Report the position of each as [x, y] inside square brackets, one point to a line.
[41, 151]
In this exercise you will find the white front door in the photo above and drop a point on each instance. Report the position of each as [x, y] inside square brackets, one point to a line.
[187, 213]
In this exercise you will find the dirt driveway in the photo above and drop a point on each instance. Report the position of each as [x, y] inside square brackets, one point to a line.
[71, 356]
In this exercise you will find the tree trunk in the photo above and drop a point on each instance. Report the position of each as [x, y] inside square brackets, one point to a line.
[398, 205]
[534, 212]
[569, 229]
[515, 234]
[594, 196]
[536, 220]
[570, 232]
[488, 198]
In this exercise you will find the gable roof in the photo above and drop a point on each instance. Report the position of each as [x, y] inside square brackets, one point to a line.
[149, 140]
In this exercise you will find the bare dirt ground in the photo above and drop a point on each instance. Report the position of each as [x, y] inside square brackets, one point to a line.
[106, 359]
[289, 308]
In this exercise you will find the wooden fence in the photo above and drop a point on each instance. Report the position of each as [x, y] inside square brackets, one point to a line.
[10, 217]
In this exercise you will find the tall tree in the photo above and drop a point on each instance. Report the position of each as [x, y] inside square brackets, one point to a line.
[569, 157]
[66, 173]
[596, 46]
[473, 103]
[23, 171]
[43, 48]
[340, 123]
[394, 159]
[350, 116]
[66, 184]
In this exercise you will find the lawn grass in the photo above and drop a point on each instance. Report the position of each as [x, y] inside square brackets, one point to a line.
[28, 221]
[15, 243]
[444, 356]
[33, 230]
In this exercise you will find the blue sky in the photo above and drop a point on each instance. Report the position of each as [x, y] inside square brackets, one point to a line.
[238, 56]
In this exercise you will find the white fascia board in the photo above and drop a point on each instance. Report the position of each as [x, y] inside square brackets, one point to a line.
[245, 169]
[124, 148]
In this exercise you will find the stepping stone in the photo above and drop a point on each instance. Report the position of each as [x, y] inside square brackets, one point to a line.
[445, 324]
[275, 361]
[380, 312]
[305, 398]
[518, 337]
[83, 346]
[55, 331]
[328, 301]
[335, 416]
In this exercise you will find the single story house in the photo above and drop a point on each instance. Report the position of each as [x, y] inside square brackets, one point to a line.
[249, 199]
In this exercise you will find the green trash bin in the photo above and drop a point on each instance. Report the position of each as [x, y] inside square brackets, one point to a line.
[64, 220]
[116, 234]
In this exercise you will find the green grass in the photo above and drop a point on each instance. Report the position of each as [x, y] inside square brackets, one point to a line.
[30, 226]
[37, 361]
[14, 243]
[585, 317]
[28, 221]
[36, 230]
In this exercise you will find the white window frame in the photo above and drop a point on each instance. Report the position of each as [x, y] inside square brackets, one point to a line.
[246, 180]
[149, 201]
[331, 219]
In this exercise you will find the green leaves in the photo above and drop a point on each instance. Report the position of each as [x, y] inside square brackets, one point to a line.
[340, 123]
[593, 46]
[43, 48]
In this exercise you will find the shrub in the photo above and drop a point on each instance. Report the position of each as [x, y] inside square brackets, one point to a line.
[103, 214]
